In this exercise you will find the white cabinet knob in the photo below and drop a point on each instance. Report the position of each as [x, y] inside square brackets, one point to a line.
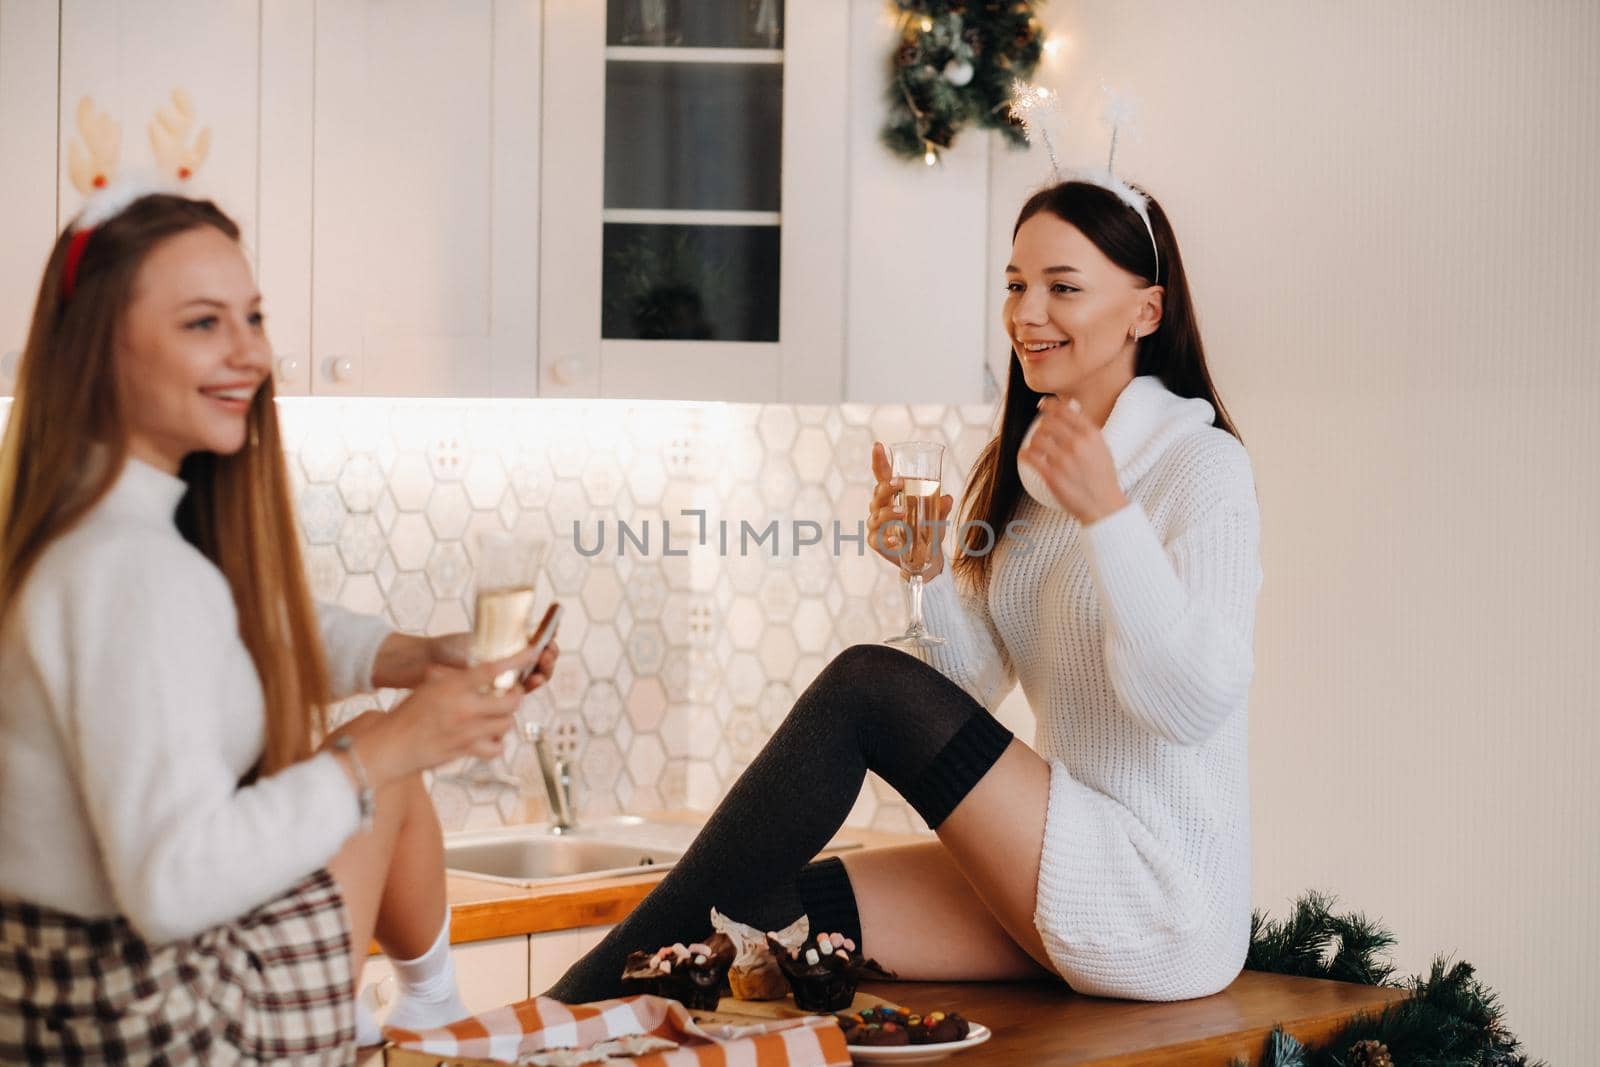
[342, 369]
[569, 370]
[9, 364]
[286, 367]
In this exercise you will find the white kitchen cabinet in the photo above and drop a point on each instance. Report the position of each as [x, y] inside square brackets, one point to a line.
[424, 195]
[694, 201]
[129, 55]
[381, 157]
[28, 101]
[445, 199]
[489, 974]
[550, 954]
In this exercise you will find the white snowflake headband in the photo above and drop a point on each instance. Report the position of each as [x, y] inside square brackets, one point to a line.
[92, 162]
[1031, 105]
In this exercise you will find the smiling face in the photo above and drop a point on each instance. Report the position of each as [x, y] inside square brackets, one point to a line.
[1071, 312]
[192, 350]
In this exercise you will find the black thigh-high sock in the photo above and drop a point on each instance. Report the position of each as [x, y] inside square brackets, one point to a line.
[873, 708]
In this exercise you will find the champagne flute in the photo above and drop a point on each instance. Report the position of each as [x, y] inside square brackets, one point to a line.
[503, 590]
[508, 569]
[917, 464]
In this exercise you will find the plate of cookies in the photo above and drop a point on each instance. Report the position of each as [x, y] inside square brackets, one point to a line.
[891, 1034]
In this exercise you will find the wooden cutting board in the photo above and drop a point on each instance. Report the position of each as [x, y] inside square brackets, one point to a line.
[732, 1012]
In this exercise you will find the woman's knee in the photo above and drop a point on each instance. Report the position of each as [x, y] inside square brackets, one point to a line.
[848, 677]
[864, 665]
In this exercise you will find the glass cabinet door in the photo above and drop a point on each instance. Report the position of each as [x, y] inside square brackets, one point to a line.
[688, 153]
[693, 171]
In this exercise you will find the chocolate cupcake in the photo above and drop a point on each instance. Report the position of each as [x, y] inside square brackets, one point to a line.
[641, 973]
[824, 970]
[755, 974]
[698, 978]
[693, 975]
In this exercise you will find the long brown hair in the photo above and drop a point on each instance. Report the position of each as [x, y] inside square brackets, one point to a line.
[66, 443]
[1173, 352]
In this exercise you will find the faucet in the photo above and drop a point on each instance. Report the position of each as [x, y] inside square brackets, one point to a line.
[557, 774]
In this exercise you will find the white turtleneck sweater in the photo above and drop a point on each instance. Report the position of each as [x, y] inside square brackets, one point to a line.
[1132, 640]
[130, 710]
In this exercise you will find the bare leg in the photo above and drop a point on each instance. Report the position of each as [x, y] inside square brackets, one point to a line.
[976, 885]
[362, 867]
[413, 902]
[946, 934]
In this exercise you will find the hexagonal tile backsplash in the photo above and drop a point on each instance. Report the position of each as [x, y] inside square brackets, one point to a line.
[678, 658]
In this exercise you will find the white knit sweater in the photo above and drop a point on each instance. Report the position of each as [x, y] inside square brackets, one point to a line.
[129, 711]
[1132, 640]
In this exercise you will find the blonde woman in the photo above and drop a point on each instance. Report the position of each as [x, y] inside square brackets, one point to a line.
[189, 870]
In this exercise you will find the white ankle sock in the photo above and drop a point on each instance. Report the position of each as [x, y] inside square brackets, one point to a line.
[367, 1032]
[427, 986]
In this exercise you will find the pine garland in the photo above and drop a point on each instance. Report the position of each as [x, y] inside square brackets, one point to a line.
[955, 64]
[1449, 1020]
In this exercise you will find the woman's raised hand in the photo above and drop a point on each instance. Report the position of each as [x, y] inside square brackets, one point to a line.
[1070, 453]
[886, 529]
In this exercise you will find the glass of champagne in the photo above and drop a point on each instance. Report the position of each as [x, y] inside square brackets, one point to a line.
[917, 464]
[508, 569]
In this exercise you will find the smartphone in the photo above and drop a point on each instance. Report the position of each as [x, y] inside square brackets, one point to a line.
[541, 639]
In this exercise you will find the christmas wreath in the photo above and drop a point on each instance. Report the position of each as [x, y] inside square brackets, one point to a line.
[1449, 1020]
[956, 63]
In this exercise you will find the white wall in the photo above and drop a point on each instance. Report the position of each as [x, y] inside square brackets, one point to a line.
[915, 318]
[1387, 213]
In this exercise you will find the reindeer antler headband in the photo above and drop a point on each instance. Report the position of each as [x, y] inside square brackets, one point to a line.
[92, 164]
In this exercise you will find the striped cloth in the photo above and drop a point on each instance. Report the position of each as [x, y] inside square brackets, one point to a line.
[511, 1033]
[273, 987]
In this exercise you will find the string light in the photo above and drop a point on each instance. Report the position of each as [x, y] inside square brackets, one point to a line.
[930, 157]
[927, 24]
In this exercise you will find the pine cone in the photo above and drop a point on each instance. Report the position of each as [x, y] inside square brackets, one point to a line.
[1369, 1054]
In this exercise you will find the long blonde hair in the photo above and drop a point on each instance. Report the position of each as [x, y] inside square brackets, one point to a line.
[67, 415]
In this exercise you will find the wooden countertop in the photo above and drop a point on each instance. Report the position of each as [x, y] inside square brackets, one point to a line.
[481, 909]
[1043, 1022]
[1033, 1022]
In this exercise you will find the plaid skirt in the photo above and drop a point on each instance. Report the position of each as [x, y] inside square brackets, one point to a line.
[273, 987]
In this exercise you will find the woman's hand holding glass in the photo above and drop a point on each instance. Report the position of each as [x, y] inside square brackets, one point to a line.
[403, 660]
[909, 525]
[886, 519]
[454, 712]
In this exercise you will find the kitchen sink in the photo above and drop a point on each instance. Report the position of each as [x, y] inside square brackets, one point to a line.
[550, 859]
[599, 848]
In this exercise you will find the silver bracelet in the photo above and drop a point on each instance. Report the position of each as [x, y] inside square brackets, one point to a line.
[366, 799]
